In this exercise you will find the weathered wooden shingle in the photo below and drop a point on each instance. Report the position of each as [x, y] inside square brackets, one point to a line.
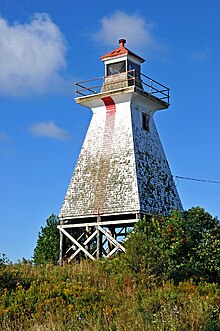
[122, 166]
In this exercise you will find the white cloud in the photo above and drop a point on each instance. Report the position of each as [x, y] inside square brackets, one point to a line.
[48, 129]
[137, 32]
[31, 56]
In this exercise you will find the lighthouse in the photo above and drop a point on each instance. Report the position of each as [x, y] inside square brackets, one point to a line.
[122, 172]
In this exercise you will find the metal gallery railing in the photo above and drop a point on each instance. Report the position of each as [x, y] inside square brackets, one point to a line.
[124, 79]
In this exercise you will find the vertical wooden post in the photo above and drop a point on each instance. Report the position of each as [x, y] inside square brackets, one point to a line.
[87, 247]
[61, 246]
[111, 231]
[109, 243]
[98, 245]
[99, 239]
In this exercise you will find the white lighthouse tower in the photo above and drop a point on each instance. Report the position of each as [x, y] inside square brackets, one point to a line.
[122, 171]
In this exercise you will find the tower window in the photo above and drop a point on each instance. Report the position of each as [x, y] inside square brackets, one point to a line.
[134, 66]
[146, 121]
[115, 68]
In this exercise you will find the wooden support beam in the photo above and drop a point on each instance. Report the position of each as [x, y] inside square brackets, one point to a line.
[105, 232]
[91, 237]
[75, 242]
[87, 247]
[134, 213]
[98, 244]
[114, 242]
[120, 231]
[109, 230]
[99, 239]
[61, 248]
[80, 237]
[114, 250]
[104, 251]
[74, 254]
[106, 223]
[73, 247]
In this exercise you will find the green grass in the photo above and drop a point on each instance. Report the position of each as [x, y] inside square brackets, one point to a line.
[102, 295]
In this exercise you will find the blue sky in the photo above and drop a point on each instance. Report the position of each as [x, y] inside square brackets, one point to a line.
[45, 46]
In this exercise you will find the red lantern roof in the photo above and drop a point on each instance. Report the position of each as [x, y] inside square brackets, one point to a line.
[121, 50]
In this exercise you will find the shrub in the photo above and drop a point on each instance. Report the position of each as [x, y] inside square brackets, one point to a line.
[179, 246]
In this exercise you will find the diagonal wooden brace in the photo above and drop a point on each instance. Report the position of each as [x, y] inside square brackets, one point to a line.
[74, 254]
[110, 238]
[75, 242]
[112, 251]
[90, 237]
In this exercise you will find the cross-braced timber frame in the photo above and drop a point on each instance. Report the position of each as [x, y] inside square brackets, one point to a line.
[94, 237]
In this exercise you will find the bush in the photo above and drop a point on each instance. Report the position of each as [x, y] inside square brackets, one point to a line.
[97, 296]
[179, 247]
[145, 251]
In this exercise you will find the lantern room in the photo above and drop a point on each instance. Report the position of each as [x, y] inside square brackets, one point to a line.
[123, 72]
[121, 60]
[122, 68]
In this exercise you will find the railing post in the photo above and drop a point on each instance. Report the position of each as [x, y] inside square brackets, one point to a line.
[76, 90]
[134, 76]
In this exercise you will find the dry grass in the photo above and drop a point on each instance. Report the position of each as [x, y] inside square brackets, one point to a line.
[101, 296]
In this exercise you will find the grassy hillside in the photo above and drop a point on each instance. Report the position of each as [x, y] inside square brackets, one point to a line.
[102, 295]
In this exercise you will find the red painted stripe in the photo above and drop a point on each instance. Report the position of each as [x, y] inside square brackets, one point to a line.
[106, 154]
[109, 104]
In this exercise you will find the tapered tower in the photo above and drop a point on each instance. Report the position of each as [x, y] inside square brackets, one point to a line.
[122, 171]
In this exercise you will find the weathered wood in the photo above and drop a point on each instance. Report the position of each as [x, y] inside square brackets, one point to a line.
[106, 239]
[79, 225]
[67, 218]
[76, 242]
[109, 230]
[112, 251]
[81, 236]
[114, 241]
[98, 244]
[87, 247]
[91, 237]
[61, 249]
[74, 255]
[99, 239]
[73, 247]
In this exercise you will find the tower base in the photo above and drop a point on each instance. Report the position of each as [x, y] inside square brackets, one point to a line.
[94, 237]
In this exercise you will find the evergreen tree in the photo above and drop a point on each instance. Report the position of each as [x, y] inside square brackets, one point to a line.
[47, 247]
[3, 260]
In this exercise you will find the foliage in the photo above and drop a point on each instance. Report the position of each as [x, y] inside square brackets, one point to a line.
[179, 246]
[167, 280]
[3, 260]
[47, 247]
[144, 249]
[101, 295]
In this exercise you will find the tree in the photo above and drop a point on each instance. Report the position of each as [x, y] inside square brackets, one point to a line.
[3, 260]
[47, 247]
[144, 248]
[179, 246]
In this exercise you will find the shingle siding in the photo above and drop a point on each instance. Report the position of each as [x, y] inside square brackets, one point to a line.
[122, 167]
